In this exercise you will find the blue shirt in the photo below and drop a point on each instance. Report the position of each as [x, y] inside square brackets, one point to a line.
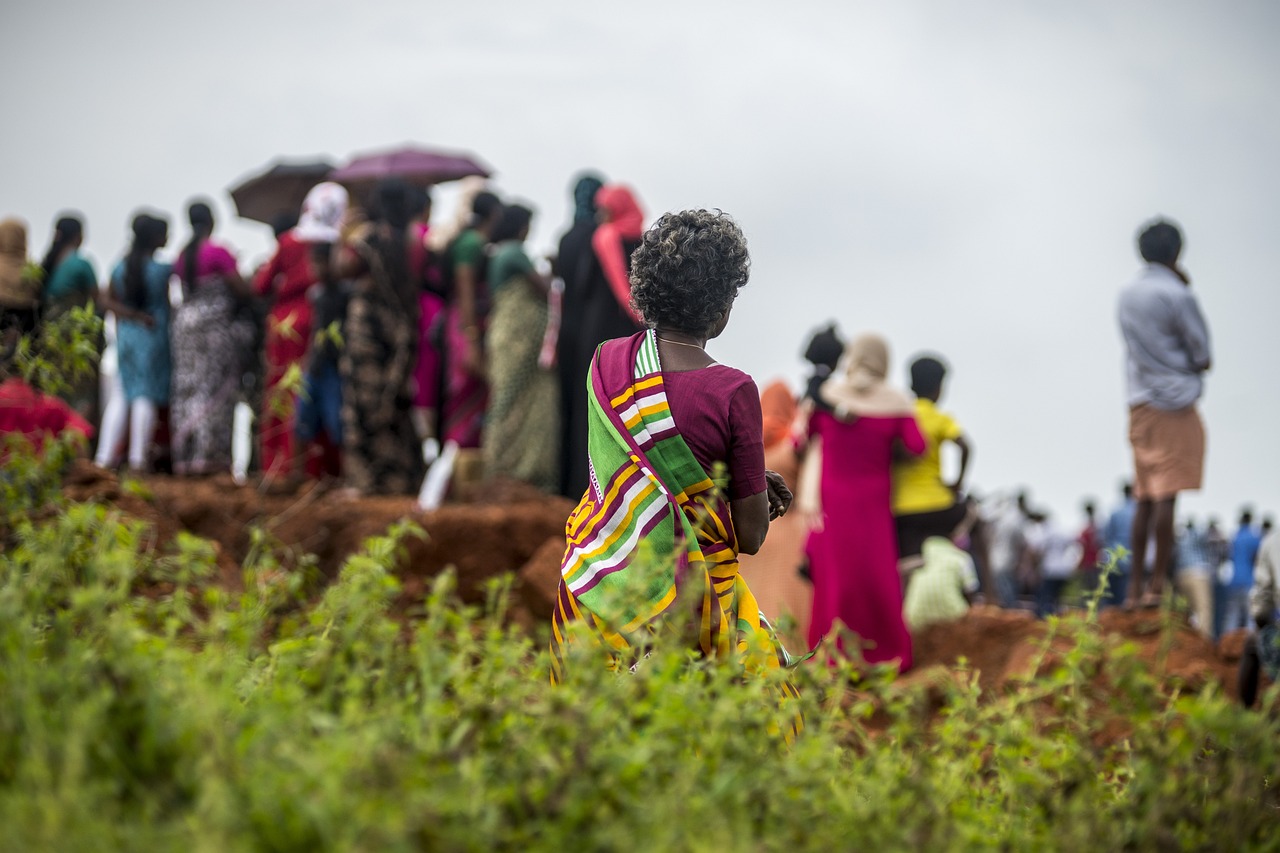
[1192, 553]
[1119, 531]
[1166, 339]
[1244, 552]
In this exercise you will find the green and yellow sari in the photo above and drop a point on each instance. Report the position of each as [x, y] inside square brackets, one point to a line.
[651, 546]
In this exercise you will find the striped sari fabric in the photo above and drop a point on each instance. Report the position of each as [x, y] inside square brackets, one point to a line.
[651, 546]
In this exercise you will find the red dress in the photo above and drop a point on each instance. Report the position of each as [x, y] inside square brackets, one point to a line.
[285, 278]
[854, 557]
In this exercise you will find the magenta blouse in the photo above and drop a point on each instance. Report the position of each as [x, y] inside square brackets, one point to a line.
[211, 260]
[717, 411]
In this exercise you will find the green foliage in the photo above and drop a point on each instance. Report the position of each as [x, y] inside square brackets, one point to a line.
[144, 707]
[331, 333]
[31, 481]
[32, 273]
[64, 351]
[290, 387]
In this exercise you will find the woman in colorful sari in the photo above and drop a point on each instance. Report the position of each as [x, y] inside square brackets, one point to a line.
[381, 453]
[210, 342]
[520, 439]
[853, 549]
[663, 417]
[285, 280]
[139, 297]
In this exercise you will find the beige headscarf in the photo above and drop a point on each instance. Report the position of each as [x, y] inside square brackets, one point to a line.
[16, 290]
[858, 388]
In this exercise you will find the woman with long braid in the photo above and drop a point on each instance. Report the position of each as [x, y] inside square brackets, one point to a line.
[210, 345]
[71, 282]
[69, 278]
[139, 297]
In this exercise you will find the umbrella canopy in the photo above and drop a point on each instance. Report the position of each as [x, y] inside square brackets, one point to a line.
[278, 190]
[415, 164]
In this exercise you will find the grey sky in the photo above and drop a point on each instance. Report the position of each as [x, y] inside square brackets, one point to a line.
[964, 178]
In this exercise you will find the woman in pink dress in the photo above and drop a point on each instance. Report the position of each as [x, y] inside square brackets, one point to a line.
[852, 548]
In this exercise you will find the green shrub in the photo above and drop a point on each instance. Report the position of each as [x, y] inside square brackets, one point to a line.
[279, 718]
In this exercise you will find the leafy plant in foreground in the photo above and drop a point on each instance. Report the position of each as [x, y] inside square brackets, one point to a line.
[143, 706]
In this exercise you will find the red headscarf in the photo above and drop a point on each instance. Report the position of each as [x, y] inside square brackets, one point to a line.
[625, 221]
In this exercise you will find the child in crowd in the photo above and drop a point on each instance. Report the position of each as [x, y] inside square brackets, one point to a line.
[943, 587]
[319, 412]
[1054, 556]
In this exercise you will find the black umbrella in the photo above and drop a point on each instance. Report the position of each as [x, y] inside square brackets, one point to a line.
[278, 190]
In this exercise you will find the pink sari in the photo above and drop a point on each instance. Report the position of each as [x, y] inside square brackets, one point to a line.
[427, 372]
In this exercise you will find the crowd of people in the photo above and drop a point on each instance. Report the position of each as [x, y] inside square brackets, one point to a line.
[370, 345]
[888, 545]
[885, 544]
[387, 345]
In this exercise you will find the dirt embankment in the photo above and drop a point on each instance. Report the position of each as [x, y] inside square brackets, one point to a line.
[480, 541]
[1002, 646]
[520, 530]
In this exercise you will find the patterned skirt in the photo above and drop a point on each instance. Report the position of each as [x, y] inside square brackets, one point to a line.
[521, 434]
[210, 344]
[381, 451]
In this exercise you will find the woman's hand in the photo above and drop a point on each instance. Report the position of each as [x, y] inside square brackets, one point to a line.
[780, 496]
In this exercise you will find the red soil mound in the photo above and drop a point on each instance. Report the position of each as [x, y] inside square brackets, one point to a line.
[1001, 645]
[520, 531]
[480, 541]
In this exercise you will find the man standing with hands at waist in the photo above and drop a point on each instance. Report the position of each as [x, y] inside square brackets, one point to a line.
[1167, 343]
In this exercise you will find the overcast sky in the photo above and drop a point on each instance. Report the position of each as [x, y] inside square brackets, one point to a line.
[963, 178]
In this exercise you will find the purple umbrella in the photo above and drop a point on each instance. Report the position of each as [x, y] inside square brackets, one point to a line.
[421, 166]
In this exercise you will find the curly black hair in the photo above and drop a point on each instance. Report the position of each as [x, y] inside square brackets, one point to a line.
[688, 269]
